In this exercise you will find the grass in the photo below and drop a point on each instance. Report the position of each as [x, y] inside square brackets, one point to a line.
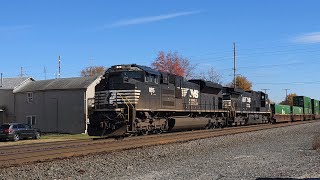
[66, 136]
[316, 142]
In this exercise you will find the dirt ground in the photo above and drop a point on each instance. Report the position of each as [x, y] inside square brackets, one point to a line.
[30, 141]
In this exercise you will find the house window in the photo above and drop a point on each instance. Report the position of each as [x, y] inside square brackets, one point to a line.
[29, 97]
[31, 120]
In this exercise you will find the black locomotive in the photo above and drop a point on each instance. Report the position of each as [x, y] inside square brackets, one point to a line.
[140, 100]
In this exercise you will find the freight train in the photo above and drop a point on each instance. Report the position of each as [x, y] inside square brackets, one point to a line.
[135, 99]
[304, 108]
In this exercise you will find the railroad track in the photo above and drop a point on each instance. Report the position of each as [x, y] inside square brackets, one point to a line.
[39, 152]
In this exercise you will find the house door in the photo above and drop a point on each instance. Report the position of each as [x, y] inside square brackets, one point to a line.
[51, 114]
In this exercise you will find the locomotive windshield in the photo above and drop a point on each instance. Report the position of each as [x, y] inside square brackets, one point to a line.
[133, 75]
[137, 75]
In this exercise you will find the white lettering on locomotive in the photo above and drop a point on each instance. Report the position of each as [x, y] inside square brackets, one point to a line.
[152, 91]
[117, 97]
[193, 93]
[112, 97]
[246, 99]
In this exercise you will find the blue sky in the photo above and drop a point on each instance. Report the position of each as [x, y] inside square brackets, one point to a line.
[278, 42]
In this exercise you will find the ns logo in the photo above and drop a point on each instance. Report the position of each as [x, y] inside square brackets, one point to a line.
[152, 91]
[193, 93]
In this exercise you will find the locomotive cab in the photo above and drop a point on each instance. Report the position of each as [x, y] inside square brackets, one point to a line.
[124, 90]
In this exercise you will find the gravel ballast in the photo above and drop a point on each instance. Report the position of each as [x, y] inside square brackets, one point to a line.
[275, 153]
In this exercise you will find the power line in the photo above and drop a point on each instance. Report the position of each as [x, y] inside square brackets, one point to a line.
[289, 83]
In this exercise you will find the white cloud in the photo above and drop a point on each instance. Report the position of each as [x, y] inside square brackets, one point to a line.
[308, 38]
[14, 28]
[150, 19]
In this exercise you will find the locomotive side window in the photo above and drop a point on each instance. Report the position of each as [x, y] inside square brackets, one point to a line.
[156, 80]
[164, 79]
[151, 78]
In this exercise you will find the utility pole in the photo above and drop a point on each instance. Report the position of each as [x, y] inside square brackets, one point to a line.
[286, 95]
[91, 64]
[1, 81]
[234, 65]
[59, 68]
[265, 90]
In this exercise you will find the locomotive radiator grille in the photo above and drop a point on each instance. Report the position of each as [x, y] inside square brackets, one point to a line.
[116, 97]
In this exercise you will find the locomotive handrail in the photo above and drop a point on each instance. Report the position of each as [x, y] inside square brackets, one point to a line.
[125, 104]
[125, 100]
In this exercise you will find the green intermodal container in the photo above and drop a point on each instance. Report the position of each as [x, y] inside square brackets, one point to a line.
[297, 110]
[315, 106]
[280, 109]
[307, 111]
[302, 101]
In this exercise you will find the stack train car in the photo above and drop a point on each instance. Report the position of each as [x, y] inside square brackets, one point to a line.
[135, 99]
[304, 108]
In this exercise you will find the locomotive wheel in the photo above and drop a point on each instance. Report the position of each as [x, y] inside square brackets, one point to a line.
[145, 132]
[158, 131]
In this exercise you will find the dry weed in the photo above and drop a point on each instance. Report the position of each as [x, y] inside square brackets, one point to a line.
[316, 142]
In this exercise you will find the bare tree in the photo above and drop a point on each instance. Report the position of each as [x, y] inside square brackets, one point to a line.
[92, 71]
[211, 75]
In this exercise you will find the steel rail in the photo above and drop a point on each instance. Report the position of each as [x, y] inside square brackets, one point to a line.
[29, 154]
[69, 143]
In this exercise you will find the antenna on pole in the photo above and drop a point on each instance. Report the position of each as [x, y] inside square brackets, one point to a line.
[234, 65]
[21, 72]
[45, 73]
[59, 68]
[265, 90]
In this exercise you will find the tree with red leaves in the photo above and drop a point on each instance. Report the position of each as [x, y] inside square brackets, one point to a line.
[173, 63]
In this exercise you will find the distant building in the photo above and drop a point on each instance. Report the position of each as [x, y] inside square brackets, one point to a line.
[7, 87]
[56, 105]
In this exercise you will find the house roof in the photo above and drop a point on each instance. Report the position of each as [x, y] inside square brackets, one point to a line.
[12, 83]
[58, 84]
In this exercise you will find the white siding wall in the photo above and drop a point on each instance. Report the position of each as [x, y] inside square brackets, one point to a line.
[90, 94]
